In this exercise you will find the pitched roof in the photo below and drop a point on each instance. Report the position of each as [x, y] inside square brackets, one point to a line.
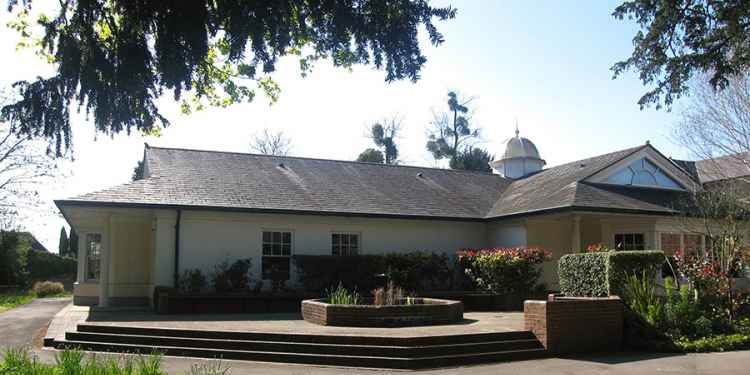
[723, 168]
[181, 177]
[236, 181]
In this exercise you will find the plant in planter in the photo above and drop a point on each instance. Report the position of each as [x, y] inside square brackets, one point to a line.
[232, 277]
[342, 296]
[390, 295]
[192, 281]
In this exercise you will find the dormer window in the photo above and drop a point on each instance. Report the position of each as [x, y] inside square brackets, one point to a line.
[643, 172]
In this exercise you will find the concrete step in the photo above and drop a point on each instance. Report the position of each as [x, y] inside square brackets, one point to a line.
[347, 360]
[309, 338]
[287, 346]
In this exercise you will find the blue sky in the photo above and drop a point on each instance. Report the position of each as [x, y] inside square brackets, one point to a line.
[542, 63]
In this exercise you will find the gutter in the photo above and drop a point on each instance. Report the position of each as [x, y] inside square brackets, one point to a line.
[177, 248]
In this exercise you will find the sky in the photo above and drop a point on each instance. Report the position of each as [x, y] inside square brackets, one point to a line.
[544, 65]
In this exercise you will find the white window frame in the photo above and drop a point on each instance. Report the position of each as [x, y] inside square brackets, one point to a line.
[87, 263]
[614, 239]
[348, 233]
[291, 248]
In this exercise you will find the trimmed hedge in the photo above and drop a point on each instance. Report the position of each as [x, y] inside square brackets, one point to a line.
[413, 271]
[605, 273]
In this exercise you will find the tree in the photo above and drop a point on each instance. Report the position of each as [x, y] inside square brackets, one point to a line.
[268, 143]
[116, 58]
[73, 244]
[24, 165]
[452, 130]
[63, 247]
[384, 134]
[138, 171]
[472, 159]
[371, 155]
[718, 124]
[680, 38]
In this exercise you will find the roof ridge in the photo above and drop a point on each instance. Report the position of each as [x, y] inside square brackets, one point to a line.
[332, 160]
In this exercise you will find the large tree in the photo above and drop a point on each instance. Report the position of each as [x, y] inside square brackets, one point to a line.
[472, 159]
[452, 130]
[115, 58]
[73, 244]
[371, 155]
[271, 143]
[679, 38]
[384, 134]
[64, 244]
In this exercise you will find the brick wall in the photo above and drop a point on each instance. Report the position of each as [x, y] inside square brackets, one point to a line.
[431, 311]
[576, 325]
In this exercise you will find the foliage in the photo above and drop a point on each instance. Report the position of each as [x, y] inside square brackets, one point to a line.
[74, 362]
[13, 269]
[714, 343]
[268, 143]
[583, 274]
[73, 244]
[232, 278]
[117, 60]
[605, 273]
[342, 296]
[622, 264]
[452, 130]
[418, 271]
[47, 288]
[681, 38]
[63, 246]
[138, 171]
[414, 271]
[472, 159]
[11, 300]
[390, 295]
[43, 265]
[371, 155]
[597, 248]
[504, 270]
[192, 281]
[640, 294]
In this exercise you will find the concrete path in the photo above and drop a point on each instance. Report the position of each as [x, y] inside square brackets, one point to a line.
[21, 325]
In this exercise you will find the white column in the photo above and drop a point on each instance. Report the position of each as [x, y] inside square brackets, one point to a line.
[82, 252]
[104, 266]
[576, 235]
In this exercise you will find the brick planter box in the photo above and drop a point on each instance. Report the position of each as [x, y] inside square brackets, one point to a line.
[425, 311]
[576, 324]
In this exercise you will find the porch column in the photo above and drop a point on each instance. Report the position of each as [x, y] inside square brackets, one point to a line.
[575, 238]
[105, 265]
[81, 260]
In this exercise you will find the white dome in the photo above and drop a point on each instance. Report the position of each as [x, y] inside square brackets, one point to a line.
[519, 159]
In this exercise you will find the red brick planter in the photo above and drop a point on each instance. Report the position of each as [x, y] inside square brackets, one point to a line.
[425, 311]
[576, 324]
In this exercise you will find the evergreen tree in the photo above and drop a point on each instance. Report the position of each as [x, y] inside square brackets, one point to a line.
[371, 155]
[73, 244]
[472, 159]
[452, 130]
[138, 171]
[64, 245]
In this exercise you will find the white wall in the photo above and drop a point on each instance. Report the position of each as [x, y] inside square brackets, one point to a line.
[506, 234]
[208, 238]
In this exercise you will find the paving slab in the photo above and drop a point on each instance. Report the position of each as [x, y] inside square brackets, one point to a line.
[21, 325]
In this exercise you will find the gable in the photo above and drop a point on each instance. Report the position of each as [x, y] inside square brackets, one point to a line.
[646, 168]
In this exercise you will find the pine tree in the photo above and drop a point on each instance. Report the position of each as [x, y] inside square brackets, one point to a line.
[63, 247]
[73, 244]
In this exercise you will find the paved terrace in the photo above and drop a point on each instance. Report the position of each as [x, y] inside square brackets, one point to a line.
[474, 322]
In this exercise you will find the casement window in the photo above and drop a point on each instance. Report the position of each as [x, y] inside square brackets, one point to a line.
[277, 250]
[344, 243]
[676, 243]
[630, 241]
[93, 256]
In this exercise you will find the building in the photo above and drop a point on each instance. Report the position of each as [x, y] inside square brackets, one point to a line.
[194, 209]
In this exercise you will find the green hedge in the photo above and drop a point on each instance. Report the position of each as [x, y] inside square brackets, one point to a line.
[413, 271]
[604, 273]
[583, 274]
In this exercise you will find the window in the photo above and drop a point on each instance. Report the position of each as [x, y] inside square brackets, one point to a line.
[629, 241]
[643, 172]
[93, 256]
[344, 243]
[671, 243]
[277, 248]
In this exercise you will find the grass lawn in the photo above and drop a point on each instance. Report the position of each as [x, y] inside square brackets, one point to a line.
[11, 300]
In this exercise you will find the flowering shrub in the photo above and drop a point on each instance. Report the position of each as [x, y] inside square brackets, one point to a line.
[503, 270]
[711, 283]
[597, 248]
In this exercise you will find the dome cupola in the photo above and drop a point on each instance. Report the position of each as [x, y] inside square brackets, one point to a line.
[519, 159]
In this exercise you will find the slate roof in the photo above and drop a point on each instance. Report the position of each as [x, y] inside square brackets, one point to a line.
[723, 168]
[236, 181]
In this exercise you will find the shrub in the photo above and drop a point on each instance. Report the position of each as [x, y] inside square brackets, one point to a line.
[48, 288]
[583, 275]
[192, 281]
[715, 343]
[622, 264]
[418, 270]
[319, 272]
[234, 277]
[504, 270]
[640, 294]
[342, 296]
[605, 273]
